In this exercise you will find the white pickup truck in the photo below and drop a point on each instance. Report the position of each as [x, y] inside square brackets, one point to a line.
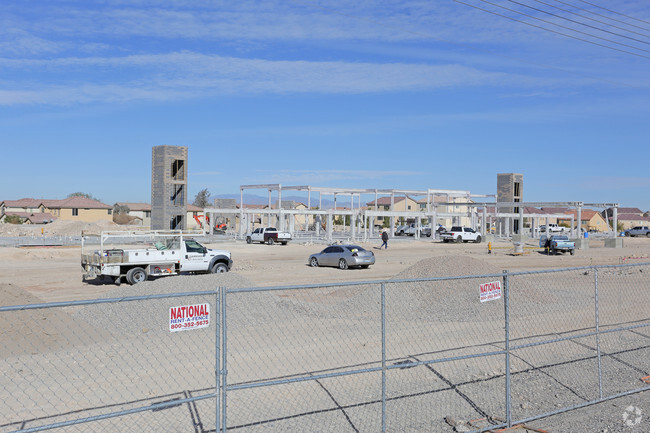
[268, 235]
[165, 253]
[412, 229]
[552, 228]
[461, 234]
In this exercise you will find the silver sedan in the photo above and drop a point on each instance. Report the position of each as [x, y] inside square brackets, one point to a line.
[343, 256]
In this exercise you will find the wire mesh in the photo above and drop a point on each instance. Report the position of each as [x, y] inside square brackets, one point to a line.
[400, 355]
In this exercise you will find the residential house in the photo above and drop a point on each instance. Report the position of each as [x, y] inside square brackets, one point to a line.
[79, 209]
[401, 203]
[591, 220]
[460, 208]
[29, 217]
[629, 220]
[24, 205]
[69, 209]
[142, 211]
[627, 217]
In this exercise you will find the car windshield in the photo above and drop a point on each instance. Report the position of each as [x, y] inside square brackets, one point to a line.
[354, 248]
[561, 238]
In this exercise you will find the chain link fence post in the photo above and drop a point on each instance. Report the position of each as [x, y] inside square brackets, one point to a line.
[597, 319]
[217, 366]
[506, 306]
[383, 357]
[224, 365]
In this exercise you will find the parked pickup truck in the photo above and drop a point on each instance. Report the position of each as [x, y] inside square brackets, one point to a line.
[165, 253]
[269, 235]
[552, 228]
[638, 231]
[401, 229]
[461, 234]
[412, 228]
[555, 243]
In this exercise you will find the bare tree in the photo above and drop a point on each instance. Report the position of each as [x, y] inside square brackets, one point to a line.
[202, 199]
[83, 194]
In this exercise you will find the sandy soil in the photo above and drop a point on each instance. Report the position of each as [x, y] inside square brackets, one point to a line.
[53, 273]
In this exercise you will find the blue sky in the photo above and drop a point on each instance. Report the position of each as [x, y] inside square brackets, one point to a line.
[350, 94]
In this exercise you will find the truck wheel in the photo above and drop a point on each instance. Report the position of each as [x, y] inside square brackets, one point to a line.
[459, 239]
[343, 264]
[553, 251]
[478, 240]
[248, 239]
[313, 262]
[219, 268]
[270, 241]
[648, 234]
[284, 242]
[573, 252]
[136, 275]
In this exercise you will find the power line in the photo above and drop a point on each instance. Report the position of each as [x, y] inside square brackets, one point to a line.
[573, 21]
[598, 21]
[601, 15]
[555, 31]
[464, 45]
[614, 12]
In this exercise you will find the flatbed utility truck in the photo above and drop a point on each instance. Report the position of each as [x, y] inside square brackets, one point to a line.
[134, 256]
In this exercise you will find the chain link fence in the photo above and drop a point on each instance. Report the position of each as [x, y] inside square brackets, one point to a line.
[417, 355]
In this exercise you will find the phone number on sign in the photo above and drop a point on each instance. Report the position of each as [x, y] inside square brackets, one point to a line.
[189, 324]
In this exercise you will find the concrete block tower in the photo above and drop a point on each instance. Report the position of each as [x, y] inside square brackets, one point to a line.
[510, 188]
[169, 188]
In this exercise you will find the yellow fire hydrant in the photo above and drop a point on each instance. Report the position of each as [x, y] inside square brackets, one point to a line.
[489, 247]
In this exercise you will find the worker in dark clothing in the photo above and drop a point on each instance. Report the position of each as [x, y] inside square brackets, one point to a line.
[384, 239]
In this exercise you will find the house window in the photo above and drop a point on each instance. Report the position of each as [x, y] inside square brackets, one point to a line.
[517, 189]
[75, 212]
[110, 211]
[409, 207]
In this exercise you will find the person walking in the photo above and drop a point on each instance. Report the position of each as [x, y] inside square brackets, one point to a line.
[384, 238]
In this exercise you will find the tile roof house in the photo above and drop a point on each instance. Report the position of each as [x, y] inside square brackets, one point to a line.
[629, 220]
[30, 217]
[591, 220]
[628, 217]
[71, 208]
[609, 212]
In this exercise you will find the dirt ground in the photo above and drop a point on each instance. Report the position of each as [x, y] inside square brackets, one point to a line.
[53, 274]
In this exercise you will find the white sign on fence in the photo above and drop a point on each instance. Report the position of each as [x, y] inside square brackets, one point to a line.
[490, 291]
[189, 317]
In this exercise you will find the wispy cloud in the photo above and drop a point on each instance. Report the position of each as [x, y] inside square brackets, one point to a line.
[190, 75]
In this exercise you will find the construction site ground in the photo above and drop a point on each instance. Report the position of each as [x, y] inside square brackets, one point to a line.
[53, 274]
